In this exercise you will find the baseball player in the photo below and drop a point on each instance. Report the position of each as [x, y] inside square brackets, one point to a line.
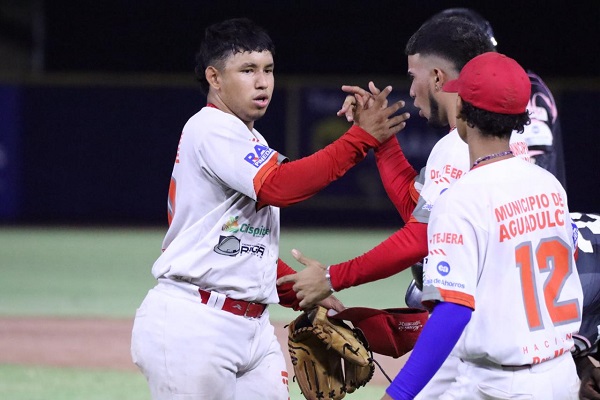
[203, 332]
[436, 53]
[500, 273]
[543, 135]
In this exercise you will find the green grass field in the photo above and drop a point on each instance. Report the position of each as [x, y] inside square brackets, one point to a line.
[105, 272]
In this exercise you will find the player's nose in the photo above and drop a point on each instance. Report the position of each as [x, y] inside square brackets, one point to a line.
[262, 81]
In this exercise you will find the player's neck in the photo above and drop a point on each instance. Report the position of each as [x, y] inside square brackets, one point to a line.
[216, 102]
[486, 150]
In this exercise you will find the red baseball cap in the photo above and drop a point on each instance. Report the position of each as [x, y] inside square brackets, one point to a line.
[392, 331]
[493, 82]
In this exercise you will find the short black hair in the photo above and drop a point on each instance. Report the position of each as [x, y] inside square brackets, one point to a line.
[227, 38]
[470, 15]
[453, 38]
[491, 123]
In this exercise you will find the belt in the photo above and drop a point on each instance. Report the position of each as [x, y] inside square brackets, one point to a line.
[491, 364]
[238, 307]
[515, 367]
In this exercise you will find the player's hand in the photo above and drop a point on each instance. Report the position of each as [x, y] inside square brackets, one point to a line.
[349, 105]
[386, 397]
[310, 284]
[377, 118]
[348, 108]
[590, 385]
[332, 303]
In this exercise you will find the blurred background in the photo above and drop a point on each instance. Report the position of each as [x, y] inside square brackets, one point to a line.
[93, 96]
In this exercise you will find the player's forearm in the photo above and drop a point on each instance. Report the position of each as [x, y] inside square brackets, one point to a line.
[397, 176]
[299, 180]
[398, 252]
[287, 296]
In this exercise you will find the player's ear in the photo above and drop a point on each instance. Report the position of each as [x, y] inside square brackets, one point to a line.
[212, 77]
[439, 77]
[459, 105]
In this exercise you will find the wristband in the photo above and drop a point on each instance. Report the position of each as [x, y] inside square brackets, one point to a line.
[328, 277]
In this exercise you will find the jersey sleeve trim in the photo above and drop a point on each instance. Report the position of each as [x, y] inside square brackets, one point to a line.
[455, 297]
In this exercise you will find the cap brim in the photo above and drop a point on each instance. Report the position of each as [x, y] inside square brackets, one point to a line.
[356, 314]
[451, 86]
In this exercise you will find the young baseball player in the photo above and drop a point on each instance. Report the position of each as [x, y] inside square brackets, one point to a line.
[203, 332]
[500, 272]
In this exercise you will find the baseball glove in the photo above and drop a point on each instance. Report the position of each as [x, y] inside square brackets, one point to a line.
[328, 357]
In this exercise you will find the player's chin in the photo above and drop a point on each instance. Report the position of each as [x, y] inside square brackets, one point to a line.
[258, 113]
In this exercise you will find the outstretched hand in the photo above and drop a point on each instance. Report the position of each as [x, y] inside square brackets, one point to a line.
[310, 284]
[349, 105]
[370, 111]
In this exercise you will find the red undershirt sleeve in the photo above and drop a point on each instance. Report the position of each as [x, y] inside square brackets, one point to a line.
[295, 181]
[287, 296]
[397, 176]
[395, 254]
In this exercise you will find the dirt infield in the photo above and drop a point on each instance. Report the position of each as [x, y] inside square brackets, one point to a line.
[98, 343]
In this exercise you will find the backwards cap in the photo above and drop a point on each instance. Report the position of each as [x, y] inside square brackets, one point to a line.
[493, 82]
[392, 332]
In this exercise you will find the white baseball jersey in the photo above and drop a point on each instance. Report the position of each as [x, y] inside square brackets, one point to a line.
[501, 242]
[447, 162]
[218, 239]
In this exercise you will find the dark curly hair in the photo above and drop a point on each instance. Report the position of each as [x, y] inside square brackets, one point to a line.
[227, 38]
[453, 38]
[493, 124]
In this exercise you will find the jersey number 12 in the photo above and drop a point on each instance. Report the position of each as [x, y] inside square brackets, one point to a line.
[552, 256]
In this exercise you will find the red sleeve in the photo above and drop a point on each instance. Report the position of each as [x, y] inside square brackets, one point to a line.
[287, 296]
[293, 182]
[397, 175]
[398, 252]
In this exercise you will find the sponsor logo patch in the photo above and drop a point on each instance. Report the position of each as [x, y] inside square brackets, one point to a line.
[232, 246]
[257, 250]
[233, 225]
[260, 155]
[443, 268]
[228, 246]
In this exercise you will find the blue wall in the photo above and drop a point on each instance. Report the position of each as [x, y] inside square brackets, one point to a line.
[103, 153]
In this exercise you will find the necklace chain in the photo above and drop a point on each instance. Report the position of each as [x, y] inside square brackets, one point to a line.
[490, 156]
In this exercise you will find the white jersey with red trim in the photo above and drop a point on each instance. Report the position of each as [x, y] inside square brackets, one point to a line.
[218, 238]
[501, 242]
[447, 162]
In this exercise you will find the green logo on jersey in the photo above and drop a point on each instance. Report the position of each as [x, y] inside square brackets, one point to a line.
[254, 231]
[233, 226]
